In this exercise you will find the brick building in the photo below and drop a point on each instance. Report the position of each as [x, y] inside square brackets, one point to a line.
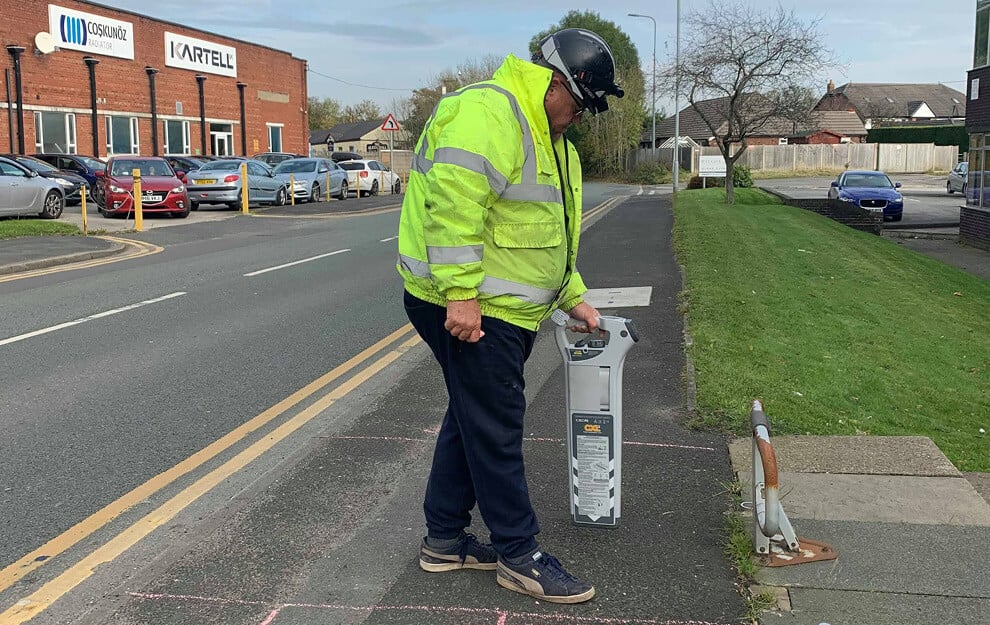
[212, 94]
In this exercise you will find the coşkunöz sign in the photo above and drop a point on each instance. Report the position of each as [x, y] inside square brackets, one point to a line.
[75, 30]
[199, 55]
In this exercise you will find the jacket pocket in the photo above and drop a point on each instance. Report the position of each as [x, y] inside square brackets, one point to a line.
[538, 234]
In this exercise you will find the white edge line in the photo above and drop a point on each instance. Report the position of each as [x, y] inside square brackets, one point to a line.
[389, 239]
[298, 262]
[100, 315]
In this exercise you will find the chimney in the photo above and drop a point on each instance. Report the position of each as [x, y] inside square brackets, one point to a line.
[831, 86]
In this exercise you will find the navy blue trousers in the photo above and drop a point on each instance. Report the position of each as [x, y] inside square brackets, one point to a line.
[478, 456]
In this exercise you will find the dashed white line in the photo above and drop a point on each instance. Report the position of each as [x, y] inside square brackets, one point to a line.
[390, 239]
[69, 324]
[294, 263]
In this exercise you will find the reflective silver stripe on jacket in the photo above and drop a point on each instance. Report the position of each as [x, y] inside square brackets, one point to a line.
[439, 255]
[528, 190]
[489, 286]
[417, 268]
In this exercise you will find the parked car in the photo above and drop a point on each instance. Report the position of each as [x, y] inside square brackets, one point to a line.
[311, 175]
[274, 158]
[184, 164]
[81, 165]
[957, 179]
[372, 177]
[23, 192]
[871, 190]
[219, 182]
[161, 189]
[345, 156]
[71, 184]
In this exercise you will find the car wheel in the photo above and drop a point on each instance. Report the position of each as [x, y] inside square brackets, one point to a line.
[343, 191]
[53, 206]
[233, 205]
[281, 197]
[374, 188]
[948, 188]
[193, 206]
[397, 187]
[314, 194]
[181, 214]
[897, 217]
[964, 189]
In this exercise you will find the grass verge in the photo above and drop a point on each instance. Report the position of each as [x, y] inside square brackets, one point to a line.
[739, 550]
[10, 228]
[837, 331]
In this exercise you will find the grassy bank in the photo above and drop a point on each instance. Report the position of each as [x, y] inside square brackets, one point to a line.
[10, 228]
[837, 331]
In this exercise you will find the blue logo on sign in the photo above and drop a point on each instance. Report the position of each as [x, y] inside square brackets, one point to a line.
[73, 30]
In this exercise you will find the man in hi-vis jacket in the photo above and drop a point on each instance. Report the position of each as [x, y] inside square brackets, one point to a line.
[488, 241]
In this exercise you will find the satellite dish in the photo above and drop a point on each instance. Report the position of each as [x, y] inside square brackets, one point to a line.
[44, 43]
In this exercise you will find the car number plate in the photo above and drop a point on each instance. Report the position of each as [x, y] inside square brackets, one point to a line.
[206, 181]
[153, 198]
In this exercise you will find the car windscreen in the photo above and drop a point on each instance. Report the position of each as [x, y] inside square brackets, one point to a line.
[147, 167]
[295, 167]
[352, 166]
[866, 180]
[34, 164]
[221, 166]
[93, 163]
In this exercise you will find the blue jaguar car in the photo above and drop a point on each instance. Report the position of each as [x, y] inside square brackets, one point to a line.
[871, 190]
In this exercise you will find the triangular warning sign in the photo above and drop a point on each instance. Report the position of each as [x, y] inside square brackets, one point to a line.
[390, 123]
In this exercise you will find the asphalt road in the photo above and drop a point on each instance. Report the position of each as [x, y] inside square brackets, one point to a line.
[114, 374]
[925, 199]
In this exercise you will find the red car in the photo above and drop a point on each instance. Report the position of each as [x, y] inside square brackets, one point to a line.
[161, 190]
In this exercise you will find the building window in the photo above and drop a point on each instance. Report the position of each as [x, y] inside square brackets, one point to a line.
[222, 139]
[981, 56]
[176, 137]
[274, 137]
[55, 132]
[122, 135]
[782, 141]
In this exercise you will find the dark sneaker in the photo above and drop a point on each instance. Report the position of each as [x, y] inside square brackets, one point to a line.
[544, 577]
[467, 554]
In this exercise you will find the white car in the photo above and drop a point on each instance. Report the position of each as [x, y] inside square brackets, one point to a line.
[372, 176]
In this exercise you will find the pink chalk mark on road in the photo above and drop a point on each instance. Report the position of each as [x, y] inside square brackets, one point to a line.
[530, 439]
[503, 617]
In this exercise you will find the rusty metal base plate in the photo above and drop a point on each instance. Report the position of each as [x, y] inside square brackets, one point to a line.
[809, 551]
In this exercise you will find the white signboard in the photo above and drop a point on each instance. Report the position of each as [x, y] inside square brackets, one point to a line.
[75, 30]
[711, 166]
[199, 55]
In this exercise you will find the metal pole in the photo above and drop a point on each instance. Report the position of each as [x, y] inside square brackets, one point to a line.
[91, 64]
[154, 110]
[200, 79]
[677, 100]
[240, 88]
[10, 108]
[15, 53]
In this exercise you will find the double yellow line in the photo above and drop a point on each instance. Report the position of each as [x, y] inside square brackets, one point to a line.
[136, 249]
[40, 600]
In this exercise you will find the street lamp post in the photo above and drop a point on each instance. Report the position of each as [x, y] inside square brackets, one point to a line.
[677, 100]
[653, 71]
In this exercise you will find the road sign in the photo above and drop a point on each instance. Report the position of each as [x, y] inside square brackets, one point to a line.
[390, 123]
[711, 167]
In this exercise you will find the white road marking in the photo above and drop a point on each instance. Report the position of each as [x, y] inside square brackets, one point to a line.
[298, 262]
[69, 324]
[640, 192]
[390, 239]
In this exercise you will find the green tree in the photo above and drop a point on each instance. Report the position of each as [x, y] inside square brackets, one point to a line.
[604, 141]
[323, 113]
[363, 111]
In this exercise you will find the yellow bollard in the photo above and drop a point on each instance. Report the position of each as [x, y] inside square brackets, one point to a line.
[328, 187]
[244, 189]
[138, 210]
[381, 182]
[82, 206]
[292, 188]
[357, 176]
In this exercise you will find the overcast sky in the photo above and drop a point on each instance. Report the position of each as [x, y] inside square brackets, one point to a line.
[392, 46]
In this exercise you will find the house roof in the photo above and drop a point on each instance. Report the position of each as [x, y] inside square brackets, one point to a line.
[352, 131]
[693, 124]
[845, 123]
[902, 98]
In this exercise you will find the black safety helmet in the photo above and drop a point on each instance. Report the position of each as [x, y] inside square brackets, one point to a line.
[587, 62]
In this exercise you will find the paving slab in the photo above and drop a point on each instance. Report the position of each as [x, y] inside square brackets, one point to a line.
[883, 498]
[981, 482]
[814, 607]
[892, 557]
[869, 455]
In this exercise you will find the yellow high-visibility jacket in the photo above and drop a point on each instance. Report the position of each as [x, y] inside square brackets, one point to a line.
[493, 207]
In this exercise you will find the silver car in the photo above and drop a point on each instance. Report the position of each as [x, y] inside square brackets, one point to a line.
[24, 192]
[957, 179]
[311, 175]
[219, 182]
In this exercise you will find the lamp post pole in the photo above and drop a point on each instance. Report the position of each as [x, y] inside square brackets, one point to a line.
[677, 100]
[653, 72]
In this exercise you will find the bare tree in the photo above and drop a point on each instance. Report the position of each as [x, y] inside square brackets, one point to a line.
[744, 70]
